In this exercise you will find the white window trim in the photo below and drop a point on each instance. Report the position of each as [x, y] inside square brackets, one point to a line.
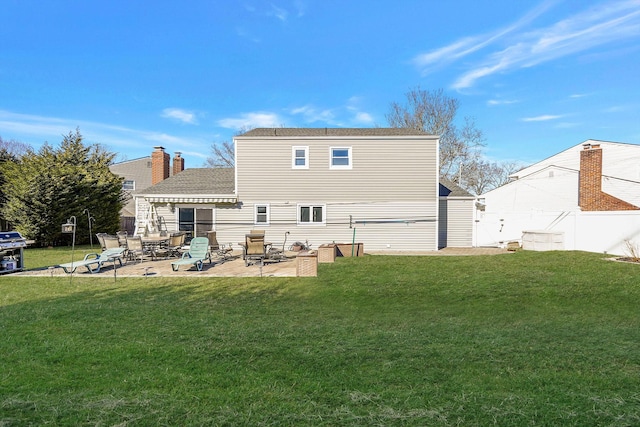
[311, 223]
[133, 184]
[255, 213]
[349, 156]
[306, 157]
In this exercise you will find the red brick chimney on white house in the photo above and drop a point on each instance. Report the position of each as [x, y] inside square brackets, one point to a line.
[160, 165]
[590, 194]
[178, 163]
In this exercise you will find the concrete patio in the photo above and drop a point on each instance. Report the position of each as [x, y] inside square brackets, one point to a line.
[233, 267]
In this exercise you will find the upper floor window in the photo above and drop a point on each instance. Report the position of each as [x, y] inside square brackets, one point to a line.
[311, 214]
[340, 158]
[300, 157]
[261, 215]
[129, 184]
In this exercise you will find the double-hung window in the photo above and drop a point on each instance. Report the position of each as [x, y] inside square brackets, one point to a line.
[129, 184]
[261, 214]
[300, 157]
[340, 158]
[311, 214]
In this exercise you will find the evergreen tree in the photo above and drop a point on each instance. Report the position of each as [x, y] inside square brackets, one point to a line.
[45, 188]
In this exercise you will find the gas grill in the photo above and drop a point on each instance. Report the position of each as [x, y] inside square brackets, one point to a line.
[12, 246]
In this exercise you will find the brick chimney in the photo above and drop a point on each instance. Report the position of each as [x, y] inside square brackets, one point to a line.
[159, 165]
[178, 163]
[590, 195]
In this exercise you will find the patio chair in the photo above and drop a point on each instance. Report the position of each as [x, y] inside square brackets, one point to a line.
[94, 262]
[135, 249]
[111, 242]
[198, 252]
[221, 251]
[276, 254]
[254, 249]
[122, 238]
[173, 247]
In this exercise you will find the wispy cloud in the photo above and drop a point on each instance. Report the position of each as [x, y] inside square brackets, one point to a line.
[362, 117]
[301, 7]
[258, 119]
[543, 118]
[611, 21]
[359, 117]
[493, 102]
[311, 114]
[469, 45]
[180, 115]
[616, 109]
[278, 12]
[35, 130]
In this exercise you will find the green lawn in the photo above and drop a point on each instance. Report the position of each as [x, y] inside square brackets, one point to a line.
[513, 340]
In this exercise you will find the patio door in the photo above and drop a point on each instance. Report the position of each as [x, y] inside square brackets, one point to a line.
[196, 222]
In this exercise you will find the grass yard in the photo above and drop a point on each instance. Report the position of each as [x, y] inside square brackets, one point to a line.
[522, 339]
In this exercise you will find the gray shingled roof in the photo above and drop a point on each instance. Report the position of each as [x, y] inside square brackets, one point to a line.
[450, 188]
[263, 132]
[196, 181]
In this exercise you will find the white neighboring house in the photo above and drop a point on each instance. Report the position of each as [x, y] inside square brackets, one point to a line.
[378, 186]
[588, 196]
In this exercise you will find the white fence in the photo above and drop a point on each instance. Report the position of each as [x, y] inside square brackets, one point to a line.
[606, 232]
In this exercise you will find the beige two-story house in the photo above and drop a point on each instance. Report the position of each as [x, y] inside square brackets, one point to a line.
[377, 186]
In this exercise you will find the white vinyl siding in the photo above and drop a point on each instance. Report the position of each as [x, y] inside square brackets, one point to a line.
[387, 170]
[392, 190]
[456, 222]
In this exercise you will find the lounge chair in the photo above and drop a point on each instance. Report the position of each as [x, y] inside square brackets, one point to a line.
[254, 249]
[198, 252]
[100, 237]
[94, 262]
[111, 242]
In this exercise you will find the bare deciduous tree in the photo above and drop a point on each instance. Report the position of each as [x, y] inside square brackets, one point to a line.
[482, 175]
[435, 112]
[224, 155]
[13, 147]
[461, 160]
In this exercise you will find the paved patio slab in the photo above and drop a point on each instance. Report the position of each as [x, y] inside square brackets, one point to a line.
[234, 267]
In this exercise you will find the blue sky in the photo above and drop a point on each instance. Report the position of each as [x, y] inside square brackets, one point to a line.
[537, 76]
